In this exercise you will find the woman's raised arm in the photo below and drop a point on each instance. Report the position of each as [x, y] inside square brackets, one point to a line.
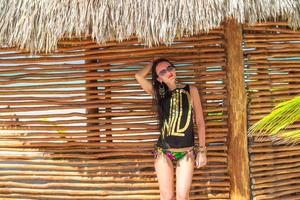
[141, 79]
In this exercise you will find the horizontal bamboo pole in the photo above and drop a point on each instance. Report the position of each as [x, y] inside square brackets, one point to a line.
[77, 114]
[212, 132]
[271, 30]
[133, 40]
[262, 145]
[93, 156]
[83, 138]
[276, 190]
[267, 39]
[275, 87]
[72, 144]
[80, 127]
[217, 195]
[267, 47]
[122, 107]
[76, 193]
[112, 188]
[275, 161]
[263, 186]
[95, 150]
[70, 196]
[94, 137]
[123, 56]
[255, 118]
[275, 63]
[260, 170]
[112, 185]
[269, 148]
[103, 182]
[269, 93]
[123, 113]
[69, 121]
[262, 79]
[277, 194]
[75, 165]
[274, 155]
[109, 186]
[55, 192]
[286, 50]
[276, 177]
[78, 86]
[90, 166]
[266, 23]
[258, 105]
[91, 48]
[49, 67]
[82, 143]
[108, 175]
[278, 172]
[267, 103]
[271, 100]
[250, 36]
[131, 128]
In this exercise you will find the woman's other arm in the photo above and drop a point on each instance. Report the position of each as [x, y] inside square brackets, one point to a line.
[198, 115]
[201, 157]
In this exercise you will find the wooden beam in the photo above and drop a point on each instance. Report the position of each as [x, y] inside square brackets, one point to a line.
[238, 161]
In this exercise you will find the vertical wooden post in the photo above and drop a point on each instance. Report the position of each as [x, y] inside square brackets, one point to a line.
[238, 160]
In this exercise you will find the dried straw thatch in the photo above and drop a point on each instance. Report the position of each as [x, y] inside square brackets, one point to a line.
[37, 25]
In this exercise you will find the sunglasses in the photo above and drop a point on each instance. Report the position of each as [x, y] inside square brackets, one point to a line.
[164, 71]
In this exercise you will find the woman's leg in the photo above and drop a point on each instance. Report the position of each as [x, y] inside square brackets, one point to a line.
[184, 176]
[165, 174]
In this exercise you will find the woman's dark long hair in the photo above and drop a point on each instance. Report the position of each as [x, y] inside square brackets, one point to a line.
[158, 97]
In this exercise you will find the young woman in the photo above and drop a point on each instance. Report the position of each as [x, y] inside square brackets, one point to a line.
[177, 106]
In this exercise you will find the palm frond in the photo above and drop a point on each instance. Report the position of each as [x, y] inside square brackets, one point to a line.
[276, 123]
[292, 137]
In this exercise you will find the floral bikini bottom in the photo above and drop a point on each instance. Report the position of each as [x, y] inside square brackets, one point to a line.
[173, 155]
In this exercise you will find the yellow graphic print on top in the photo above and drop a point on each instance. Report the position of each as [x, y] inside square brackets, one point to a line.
[171, 125]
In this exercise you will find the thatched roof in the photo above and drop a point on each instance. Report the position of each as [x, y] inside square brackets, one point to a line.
[37, 25]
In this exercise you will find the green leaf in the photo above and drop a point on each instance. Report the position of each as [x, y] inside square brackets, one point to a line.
[274, 124]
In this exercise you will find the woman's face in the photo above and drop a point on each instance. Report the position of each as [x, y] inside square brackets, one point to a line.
[165, 72]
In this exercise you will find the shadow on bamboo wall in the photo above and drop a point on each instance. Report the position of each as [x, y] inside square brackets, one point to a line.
[84, 128]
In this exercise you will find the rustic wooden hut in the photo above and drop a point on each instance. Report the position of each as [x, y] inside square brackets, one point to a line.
[76, 125]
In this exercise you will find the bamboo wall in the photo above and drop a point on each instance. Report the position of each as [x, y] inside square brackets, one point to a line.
[272, 71]
[76, 125]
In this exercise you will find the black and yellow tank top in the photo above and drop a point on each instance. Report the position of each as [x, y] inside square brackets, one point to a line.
[177, 127]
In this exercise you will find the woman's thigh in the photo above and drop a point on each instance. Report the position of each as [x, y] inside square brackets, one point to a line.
[165, 174]
[184, 175]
